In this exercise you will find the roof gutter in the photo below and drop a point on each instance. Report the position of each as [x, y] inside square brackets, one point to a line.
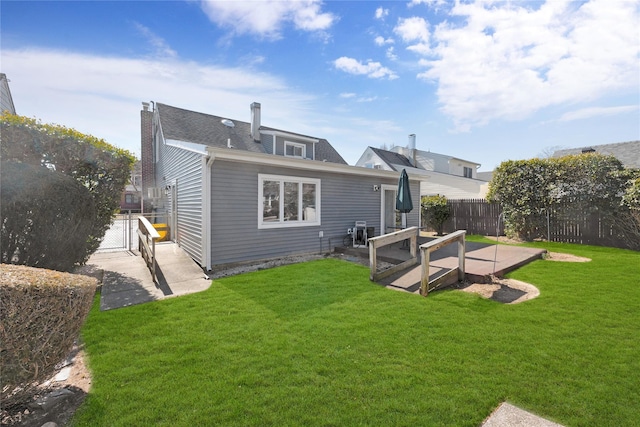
[309, 165]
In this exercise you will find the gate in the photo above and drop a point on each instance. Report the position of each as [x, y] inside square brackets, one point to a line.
[121, 235]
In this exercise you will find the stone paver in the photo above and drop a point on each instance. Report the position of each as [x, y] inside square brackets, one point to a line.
[508, 415]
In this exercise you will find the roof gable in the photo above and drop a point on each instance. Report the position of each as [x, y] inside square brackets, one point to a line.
[627, 152]
[391, 158]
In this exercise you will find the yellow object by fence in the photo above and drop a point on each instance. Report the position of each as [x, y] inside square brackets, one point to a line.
[163, 231]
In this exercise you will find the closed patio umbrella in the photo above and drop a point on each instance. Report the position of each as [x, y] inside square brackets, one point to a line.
[404, 203]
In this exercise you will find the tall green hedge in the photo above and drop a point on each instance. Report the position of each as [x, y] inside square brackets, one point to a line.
[584, 184]
[100, 168]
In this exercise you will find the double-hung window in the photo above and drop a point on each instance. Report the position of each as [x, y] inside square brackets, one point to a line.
[294, 149]
[286, 201]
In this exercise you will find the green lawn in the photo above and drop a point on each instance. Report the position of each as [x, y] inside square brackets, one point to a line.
[318, 344]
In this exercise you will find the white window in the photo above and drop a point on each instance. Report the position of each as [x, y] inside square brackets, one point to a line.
[287, 201]
[294, 149]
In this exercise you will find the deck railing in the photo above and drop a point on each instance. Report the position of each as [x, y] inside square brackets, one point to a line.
[386, 239]
[451, 275]
[147, 236]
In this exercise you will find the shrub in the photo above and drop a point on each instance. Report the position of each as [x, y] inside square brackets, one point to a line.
[41, 313]
[571, 185]
[47, 217]
[101, 168]
[436, 210]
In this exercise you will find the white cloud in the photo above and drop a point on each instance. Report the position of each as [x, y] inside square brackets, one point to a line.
[588, 113]
[347, 95]
[266, 18]
[371, 69]
[382, 13]
[367, 99]
[431, 3]
[507, 62]
[415, 31]
[102, 96]
[391, 53]
[160, 46]
[381, 41]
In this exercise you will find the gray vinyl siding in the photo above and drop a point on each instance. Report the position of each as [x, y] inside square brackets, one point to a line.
[185, 169]
[235, 236]
[267, 142]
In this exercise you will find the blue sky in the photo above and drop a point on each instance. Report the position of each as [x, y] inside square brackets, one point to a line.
[485, 81]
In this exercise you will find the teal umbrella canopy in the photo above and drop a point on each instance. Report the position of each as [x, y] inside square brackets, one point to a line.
[404, 203]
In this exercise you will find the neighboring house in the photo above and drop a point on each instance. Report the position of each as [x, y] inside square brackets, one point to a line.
[6, 101]
[235, 191]
[449, 176]
[131, 199]
[627, 152]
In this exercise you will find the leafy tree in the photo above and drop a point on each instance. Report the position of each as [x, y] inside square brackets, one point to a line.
[436, 210]
[100, 168]
[528, 189]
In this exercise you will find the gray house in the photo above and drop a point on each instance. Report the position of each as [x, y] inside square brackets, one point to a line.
[6, 101]
[234, 191]
[449, 176]
[627, 152]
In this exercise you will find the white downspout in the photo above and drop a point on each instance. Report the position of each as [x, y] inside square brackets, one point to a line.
[206, 210]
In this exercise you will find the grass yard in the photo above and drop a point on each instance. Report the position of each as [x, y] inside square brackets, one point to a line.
[318, 344]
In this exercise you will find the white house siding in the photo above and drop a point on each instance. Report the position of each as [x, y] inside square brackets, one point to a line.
[235, 236]
[454, 187]
[184, 168]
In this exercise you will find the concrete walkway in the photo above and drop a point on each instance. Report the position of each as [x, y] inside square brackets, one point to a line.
[127, 280]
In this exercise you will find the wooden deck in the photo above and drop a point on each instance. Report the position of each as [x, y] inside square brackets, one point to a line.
[479, 262]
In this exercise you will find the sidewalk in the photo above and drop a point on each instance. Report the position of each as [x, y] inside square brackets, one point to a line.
[127, 280]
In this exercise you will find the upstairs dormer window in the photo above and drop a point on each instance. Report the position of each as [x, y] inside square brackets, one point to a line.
[294, 149]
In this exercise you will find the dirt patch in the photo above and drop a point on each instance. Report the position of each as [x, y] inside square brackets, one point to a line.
[504, 239]
[55, 400]
[507, 291]
[557, 256]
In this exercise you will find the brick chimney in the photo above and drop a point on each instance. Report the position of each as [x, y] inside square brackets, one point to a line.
[146, 153]
[255, 121]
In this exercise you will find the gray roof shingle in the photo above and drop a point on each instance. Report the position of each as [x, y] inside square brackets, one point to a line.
[392, 158]
[627, 152]
[207, 129]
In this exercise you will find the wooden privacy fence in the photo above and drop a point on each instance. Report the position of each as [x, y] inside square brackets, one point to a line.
[477, 216]
[562, 223]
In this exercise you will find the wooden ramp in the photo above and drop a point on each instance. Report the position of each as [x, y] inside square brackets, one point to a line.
[479, 265]
[482, 260]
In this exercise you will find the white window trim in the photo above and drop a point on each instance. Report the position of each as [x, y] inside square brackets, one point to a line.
[296, 144]
[287, 224]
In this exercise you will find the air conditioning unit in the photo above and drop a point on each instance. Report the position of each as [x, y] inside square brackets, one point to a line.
[155, 192]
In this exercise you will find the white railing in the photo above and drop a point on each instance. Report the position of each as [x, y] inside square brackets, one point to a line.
[451, 276]
[386, 239]
[147, 236]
